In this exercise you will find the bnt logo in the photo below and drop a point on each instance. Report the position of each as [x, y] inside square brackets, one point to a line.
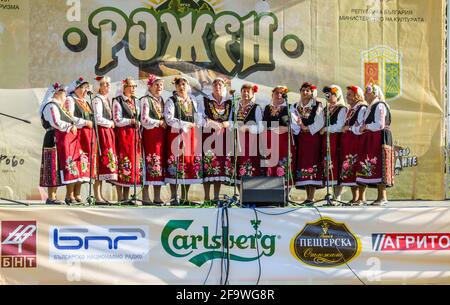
[18, 244]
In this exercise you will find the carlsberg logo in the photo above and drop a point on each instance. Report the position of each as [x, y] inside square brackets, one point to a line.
[177, 242]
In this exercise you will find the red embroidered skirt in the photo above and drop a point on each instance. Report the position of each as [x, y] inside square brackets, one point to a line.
[88, 152]
[154, 141]
[248, 161]
[189, 154]
[128, 156]
[217, 147]
[68, 156]
[349, 158]
[276, 156]
[309, 160]
[107, 163]
[377, 159]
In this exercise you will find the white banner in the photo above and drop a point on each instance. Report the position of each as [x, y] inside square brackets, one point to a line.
[186, 246]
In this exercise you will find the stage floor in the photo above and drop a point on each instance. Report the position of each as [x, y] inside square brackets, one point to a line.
[391, 204]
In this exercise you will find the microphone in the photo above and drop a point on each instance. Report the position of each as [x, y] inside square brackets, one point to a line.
[174, 93]
[232, 91]
[284, 95]
[90, 93]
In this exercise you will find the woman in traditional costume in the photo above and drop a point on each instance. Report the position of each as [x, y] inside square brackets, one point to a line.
[153, 139]
[249, 124]
[377, 149]
[351, 143]
[276, 119]
[126, 120]
[184, 157]
[83, 116]
[60, 145]
[334, 115]
[307, 121]
[107, 157]
[216, 163]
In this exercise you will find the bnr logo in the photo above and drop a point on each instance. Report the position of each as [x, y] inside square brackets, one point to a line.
[18, 244]
[80, 238]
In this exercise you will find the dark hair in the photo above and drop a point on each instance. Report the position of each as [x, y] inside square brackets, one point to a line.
[247, 86]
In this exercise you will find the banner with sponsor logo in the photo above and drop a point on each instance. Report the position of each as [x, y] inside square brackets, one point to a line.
[398, 44]
[193, 246]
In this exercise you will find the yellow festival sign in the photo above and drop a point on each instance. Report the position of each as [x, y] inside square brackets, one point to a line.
[398, 44]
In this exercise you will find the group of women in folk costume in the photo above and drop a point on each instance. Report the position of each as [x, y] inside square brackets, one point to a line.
[215, 140]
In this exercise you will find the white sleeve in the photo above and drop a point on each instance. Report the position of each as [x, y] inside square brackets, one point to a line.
[146, 120]
[200, 117]
[70, 107]
[380, 117]
[294, 118]
[340, 121]
[119, 120]
[98, 110]
[258, 127]
[359, 121]
[52, 115]
[318, 121]
[169, 114]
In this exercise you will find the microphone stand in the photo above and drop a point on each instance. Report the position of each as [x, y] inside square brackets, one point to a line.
[16, 118]
[177, 163]
[91, 199]
[137, 136]
[328, 197]
[235, 198]
[28, 122]
[289, 173]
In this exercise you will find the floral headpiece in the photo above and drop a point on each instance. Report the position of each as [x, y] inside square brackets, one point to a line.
[177, 79]
[152, 79]
[284, 89]
[255, 88]
[80, 81]
[356, 90]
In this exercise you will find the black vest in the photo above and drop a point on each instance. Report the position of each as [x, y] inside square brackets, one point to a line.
[354, 118]
[80, 113]
[371, 118]
[334, 116]
[49, 137]
[214, 115]
[180, 114]
[251, 116]
[127, 112]
[152, 111]
[63, 116]
[310, 119]
[282, 117]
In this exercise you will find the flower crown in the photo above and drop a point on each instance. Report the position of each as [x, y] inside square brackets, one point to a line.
[313, 87]
[99, 78]
[152, 79]
[334, 90]
[284, 89]
[255, 88]
[80, 80]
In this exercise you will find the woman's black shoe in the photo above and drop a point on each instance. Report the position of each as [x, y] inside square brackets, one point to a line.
[54, 202]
